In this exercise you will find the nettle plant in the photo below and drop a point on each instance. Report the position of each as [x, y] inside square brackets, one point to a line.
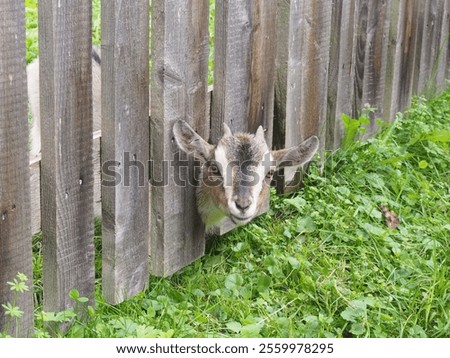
[236, 173]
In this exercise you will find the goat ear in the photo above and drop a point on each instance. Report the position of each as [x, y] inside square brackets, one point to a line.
[260, 134]
[190, 142]
[297, 155]
[226, 130]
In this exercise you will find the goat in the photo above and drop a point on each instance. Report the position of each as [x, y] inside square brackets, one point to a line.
[236, 173]
[33, 99]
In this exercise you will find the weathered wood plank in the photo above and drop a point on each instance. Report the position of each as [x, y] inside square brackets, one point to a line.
[362, 9]
[403, 71]
[309, 43]
[393, 56]
[125, 143]
[431, 42]
[35, 184]
[421, 6]
[281, 69]
[66, 165]
[232, 64]
[347, 58]
[448, 43]
[15, 228]
[442, 71]
[262, 69]
[333, 72]
[375, 60]
[179, 91]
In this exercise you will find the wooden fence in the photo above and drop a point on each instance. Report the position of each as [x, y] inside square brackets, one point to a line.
[292, 66]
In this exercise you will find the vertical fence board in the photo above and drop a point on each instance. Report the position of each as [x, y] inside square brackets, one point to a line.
[262, 70]
[125, 143]
[66, 165]
[281, 66]
[441, 71]
[15, 227]
[447, 31]
[309, 42]
[375, 59]
[232, 64]
[179, 91]
[421, 6]
[333, 72]
[430, 45]
[347, 58]
[393, 55]
[360, 44]
[403, 72]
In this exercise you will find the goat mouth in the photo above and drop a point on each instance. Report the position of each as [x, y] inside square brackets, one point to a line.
[240, 220]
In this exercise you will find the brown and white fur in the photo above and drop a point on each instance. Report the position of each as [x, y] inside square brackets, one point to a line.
[236, 173]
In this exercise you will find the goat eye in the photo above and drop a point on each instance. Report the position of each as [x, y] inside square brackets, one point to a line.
[269, 175]
[214, 169]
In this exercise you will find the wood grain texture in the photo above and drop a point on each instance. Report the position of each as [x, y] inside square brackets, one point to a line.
[232, 64]
[262, 69]
[281, 69]
[403, 69]
[393, 44]
[431, 42]
[66, 165]
[345, 97]
[362, 9]
[179, 91]
[447, 31]
[442, 74]
[15, 228]
[35, 184]
[333, 72]
[309, 43]
[421, 6]
[376, 60]
[125, 148]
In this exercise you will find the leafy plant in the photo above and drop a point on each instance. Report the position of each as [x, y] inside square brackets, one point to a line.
[18, 286]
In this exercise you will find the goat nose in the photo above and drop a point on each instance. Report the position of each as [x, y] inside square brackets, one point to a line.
[243, 204]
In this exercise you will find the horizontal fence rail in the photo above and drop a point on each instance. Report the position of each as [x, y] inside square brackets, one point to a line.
[292, 66]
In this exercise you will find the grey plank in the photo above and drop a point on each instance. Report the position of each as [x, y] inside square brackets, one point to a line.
[393, 56]
[421, 6]
[179, 91]
[361, 24]
[281, 69]
[431, 42]
[15, 227]
[35, 184]
[232, 64]
[125, 148]
[66, 165]
[403, 71]
[376, 60]
[347, 57]
[442, 60]
[309, 43]
[262, 69]
[333, 72]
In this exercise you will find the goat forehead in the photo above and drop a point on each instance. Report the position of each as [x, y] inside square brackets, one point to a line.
[242, 148]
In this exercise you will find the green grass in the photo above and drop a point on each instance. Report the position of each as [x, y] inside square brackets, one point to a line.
[322, 262]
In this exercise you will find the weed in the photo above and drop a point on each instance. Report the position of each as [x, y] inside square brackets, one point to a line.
[18, 286]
